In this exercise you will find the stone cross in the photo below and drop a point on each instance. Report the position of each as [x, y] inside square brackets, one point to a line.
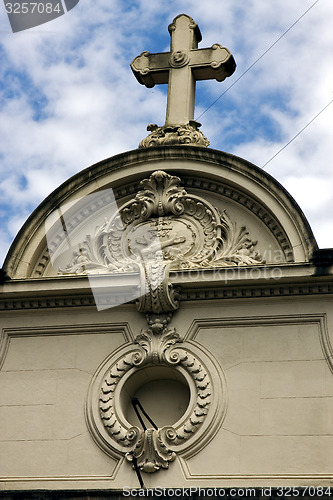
[182, 67]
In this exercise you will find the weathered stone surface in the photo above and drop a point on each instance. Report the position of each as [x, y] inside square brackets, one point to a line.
[180, 69]
[247, 338]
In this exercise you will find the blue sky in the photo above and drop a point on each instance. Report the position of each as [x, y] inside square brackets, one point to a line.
[69, 99]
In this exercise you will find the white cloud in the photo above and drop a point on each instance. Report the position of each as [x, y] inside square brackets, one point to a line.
[70, 98]
[313, 193]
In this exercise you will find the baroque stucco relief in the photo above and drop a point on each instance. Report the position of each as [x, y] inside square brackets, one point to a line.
[158, 352]
[164, 222]
[154, 239]
[161, 229]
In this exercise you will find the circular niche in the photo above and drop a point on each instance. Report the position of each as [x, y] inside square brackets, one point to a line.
[163, 392]
[189, 395]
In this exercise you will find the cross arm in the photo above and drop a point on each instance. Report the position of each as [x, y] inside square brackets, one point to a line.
[151, 69]
[180, 69]
[212, 63]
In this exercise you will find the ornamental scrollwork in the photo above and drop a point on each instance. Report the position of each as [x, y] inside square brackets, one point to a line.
[162, 228]
[235, 247]
[185, 135]
[158, 345]
[164, 224]
[151, 452]
[160, 195]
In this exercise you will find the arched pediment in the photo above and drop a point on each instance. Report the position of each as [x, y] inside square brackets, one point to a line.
[233, 214]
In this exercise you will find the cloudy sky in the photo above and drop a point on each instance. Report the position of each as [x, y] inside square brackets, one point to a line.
[69, 98]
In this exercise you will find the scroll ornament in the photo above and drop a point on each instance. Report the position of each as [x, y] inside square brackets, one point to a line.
[177, 135]
[158, 345]
[165, 223]
[162, 228]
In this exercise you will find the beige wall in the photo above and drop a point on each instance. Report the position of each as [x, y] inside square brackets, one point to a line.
[278, 426]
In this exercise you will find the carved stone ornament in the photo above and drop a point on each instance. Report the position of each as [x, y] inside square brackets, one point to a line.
[178, 135]
[180, 69]
[179, 58]
[153, 449]
[162, 228]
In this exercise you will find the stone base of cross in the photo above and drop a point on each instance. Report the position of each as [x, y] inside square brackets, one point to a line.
[180, 69]
[178, 134]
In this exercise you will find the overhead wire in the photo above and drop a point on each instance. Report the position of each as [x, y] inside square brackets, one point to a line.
[257, 60]
[298, 133]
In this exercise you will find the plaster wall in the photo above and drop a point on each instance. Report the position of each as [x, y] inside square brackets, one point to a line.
[260, 336]
[278, 426]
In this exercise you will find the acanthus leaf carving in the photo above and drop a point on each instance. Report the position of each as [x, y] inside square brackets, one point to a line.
[102, 253]
[161, 195]
[185, 135]
[157, 339]
[155, 448]
[158, 294]
[151, 452]
[235, 246]
[164, 228]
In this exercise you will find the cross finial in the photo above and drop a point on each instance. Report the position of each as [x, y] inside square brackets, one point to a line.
[180, 69]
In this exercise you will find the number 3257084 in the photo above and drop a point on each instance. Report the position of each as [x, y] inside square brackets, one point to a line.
[33, 8]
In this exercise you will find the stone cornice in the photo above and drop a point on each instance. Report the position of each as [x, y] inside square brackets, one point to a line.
[231, 283]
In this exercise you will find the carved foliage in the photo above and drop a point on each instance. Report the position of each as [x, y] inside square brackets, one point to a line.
[161, 195]
[185, 135]
[154, 449]
[158, 295]
[151, 452]
[235, 247]
[164, 223]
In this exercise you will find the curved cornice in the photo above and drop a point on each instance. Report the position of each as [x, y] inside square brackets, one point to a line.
[243, 181]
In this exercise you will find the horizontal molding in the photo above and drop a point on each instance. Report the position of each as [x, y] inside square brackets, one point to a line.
[268, 320]
[253, 480]
[41, 479]
[245, 477]
[58, 300]
[106, 328]
[249, 292]
[298, 319]
[46, 302]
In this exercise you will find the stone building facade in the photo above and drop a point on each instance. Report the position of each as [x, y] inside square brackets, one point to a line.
[166, 317]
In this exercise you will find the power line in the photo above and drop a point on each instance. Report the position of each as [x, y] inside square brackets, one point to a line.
[257, 60]
[299, 133]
